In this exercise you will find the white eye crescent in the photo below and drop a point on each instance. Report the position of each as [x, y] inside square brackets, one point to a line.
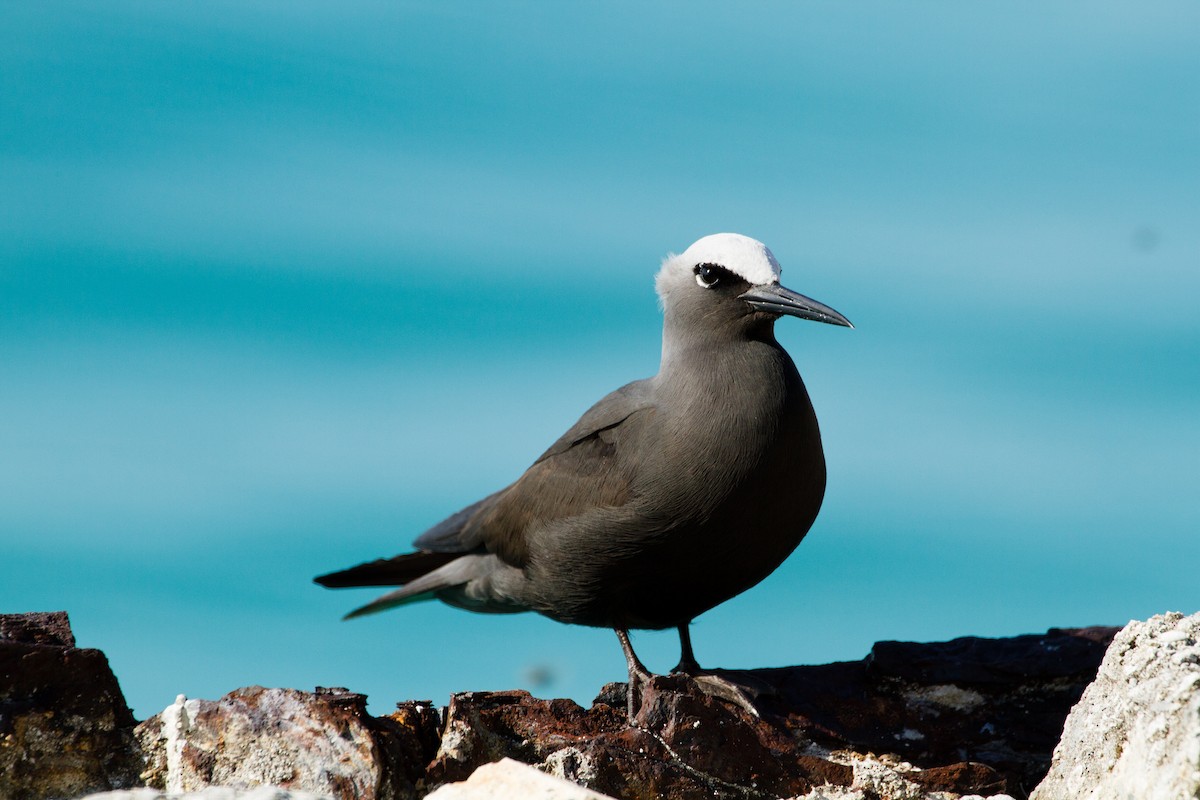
[709, 275]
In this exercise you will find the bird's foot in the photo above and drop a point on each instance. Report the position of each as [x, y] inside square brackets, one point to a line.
[739, 695]
[733, 686]
[639, 676]
[638, 681]
[687, 666]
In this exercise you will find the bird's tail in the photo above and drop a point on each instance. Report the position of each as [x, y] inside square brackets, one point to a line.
[419, 575]
[387, 571]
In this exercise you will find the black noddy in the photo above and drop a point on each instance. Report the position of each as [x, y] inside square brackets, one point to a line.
[669, 496]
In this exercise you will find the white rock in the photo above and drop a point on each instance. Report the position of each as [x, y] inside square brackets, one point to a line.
[876, 779]
[571, 764]
[256, 738]
[1136, 730]
[507, 779]
[211, 793]
[948, 696]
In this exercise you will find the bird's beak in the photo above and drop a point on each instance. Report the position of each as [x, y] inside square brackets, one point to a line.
[775, 299]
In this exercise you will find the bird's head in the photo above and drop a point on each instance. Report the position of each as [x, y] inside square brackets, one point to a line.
[730, 280]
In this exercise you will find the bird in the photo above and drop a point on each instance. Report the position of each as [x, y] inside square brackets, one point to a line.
[669, 496]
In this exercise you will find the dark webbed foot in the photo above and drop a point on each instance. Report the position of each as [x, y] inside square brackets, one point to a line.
[639, 676]
[733, 686]
[717, 683]
[740, 693]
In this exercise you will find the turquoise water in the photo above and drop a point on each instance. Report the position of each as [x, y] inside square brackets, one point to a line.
[282, 286]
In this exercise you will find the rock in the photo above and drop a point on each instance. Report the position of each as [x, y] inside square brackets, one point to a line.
[38, 627]
[1136, 732]
[686, 744]
[65, 729]
[986, 712]
[483, 727]
[322, 742]
[512, 779]
[211, 793]
[967, 718]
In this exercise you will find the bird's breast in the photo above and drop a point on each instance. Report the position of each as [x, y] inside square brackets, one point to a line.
[730, 429]
[726, 478]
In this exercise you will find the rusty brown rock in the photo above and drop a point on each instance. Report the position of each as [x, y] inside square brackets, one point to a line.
[322, 741]
[65, 729]
[482, 727]
[37, 627]
[409, 737]
[996, 702]
[972, 716]
[685, 745]
[967, 777]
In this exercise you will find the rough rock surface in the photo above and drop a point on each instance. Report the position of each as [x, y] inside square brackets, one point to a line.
[1136, 732]
[211, 793]
[994, 702]
[64, 726]
[978, 716]
[685, 744]
[971, 717]
[323, 742]
[508, 778]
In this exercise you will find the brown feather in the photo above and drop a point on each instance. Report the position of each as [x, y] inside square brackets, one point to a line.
[395, 571]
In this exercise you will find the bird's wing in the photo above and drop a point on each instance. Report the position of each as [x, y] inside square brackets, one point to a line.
[455, 534]
[437, 548]
[588, 467]
[608, 413]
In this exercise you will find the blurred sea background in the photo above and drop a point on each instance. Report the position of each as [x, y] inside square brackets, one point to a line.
[283, 284]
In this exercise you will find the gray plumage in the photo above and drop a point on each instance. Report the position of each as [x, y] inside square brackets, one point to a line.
[670, 495]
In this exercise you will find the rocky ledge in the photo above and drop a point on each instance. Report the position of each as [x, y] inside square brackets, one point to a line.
[966, 718]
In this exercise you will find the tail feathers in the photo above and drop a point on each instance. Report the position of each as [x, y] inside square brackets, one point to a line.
[459, 571]
[399, 597]
[388, 571]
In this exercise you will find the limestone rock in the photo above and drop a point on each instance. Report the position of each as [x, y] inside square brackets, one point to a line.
[994, 702]
[512, 779]
[975, 717]
[64, 726]
[51, 628]
[322, 742]
[961, 719]
[686, 744]
[1136, 732]
[211, 793]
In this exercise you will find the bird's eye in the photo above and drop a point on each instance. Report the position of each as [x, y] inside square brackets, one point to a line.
[709, 275]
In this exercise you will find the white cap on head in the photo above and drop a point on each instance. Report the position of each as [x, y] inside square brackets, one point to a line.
[745, 257]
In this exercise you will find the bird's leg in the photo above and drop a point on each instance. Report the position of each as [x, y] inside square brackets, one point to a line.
[687, 659]
[739, 692]
[638, 674]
